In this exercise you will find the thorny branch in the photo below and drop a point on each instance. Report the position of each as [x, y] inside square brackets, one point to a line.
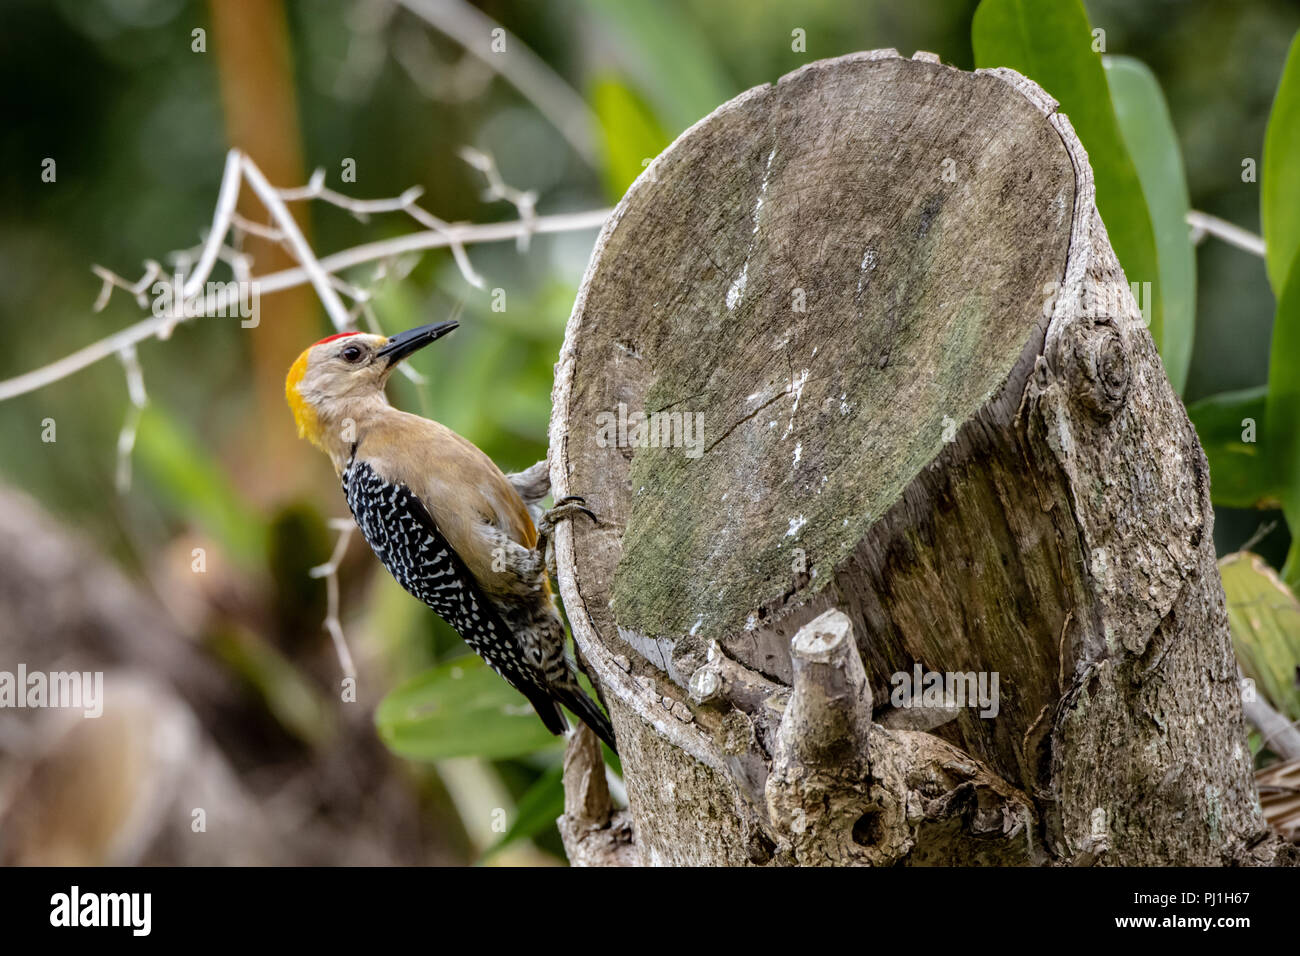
[190, 297]
[297, 242]
[440, 236]
[524, 202]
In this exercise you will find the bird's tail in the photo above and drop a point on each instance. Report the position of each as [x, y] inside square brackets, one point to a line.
[589, 712]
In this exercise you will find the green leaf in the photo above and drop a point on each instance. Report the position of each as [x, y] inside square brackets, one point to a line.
[1279, 195]
[668, 56]
[1241, 475]
[460, 709]
[1282, 412]
[631, 135]
[536, 811]
[1050, 41]
[1264, 616]
[1291, 569]
[1152, 143]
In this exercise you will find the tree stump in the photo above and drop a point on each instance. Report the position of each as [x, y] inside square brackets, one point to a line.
[857, 343]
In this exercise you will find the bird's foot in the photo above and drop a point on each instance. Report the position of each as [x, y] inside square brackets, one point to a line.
[565, 508]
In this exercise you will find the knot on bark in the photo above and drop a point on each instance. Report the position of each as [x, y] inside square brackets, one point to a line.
[1100, 370]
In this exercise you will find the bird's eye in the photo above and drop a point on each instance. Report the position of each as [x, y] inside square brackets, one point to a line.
[351, 353]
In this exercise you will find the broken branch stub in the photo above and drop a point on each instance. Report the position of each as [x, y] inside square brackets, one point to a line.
[857, 341]
[827, 721]
[594, 833]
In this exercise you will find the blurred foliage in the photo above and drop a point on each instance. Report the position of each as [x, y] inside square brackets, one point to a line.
[1240, 475]
[1280, 212]
[670, 54]
[537, 810]
[1052, 43]
[182, 477]
[1280, 179]
[1153, 145]
[112, 90]
[460, 709]
[1282, 415]
[630, 134]
[300, 707]
[1265, 619]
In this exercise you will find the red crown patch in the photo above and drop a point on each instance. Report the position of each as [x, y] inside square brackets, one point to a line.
[338, 335]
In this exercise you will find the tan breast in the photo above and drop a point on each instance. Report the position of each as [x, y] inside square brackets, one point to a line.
[464, 490]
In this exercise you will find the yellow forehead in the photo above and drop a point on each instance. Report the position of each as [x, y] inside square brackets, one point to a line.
[303, 414]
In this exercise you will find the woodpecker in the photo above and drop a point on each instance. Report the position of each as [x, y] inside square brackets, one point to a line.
[442, 518]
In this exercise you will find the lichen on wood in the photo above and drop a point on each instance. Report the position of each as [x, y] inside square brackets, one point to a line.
[929, 405]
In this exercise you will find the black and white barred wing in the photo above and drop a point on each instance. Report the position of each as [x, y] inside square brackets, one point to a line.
[403, 535]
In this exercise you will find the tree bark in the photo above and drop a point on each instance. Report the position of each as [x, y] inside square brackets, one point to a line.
[936, 435]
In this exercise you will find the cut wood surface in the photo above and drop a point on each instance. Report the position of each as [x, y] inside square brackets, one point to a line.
[892, 369]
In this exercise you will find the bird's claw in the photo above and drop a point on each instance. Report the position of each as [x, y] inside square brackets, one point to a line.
[567, 507]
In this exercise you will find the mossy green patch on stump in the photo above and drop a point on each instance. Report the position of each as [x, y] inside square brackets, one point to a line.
[834, 283]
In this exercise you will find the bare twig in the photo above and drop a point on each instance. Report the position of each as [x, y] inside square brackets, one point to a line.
[1259, 534]
[126, 437]
[360, 208]
[329, 571]
[227, 197]
[1204, 224]
[298, 243]
[290, 278]
[111, 279]
[432, 222]
[524, 202]
[363, 208]
[269, 233]
[1278, 734]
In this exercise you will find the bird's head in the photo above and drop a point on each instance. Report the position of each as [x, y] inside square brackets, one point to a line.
[339, 371]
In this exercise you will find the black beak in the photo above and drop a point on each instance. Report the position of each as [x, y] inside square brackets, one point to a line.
[412, 340]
